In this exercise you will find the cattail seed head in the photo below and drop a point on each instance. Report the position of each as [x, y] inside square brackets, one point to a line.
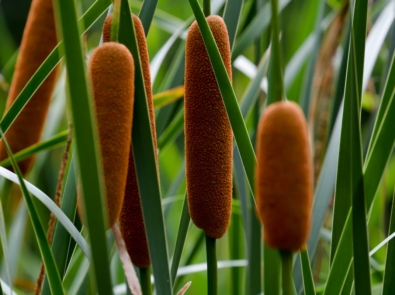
[283, 176]
[39, 39]
[112, 73]
[208, 134]
[131, 221]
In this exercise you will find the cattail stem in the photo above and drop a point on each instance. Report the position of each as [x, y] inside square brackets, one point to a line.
[115, 21]
[206, 8]
[276, 93]
[211, 265]
[286, 270]
[145, 281]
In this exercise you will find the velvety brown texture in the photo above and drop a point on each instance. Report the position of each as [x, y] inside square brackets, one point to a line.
[131, 220]
[208, 134]
[283, 177]
[39, 39]
[112, 74]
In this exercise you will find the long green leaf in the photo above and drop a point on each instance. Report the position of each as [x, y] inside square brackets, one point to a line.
[147, 14]
[350, 185]
[92, 185]
[231, 18]
[146, 169]
[389, 282]
[307, 275]
[61, 238]
[46, 254]
[4, 245]
[51, 143]
[236, 119]
[260, 22]
[47, 201]
[181, 236]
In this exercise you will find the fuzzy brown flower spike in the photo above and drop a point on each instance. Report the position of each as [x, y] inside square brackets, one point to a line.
[208, 134]
[112, 73]
[283, 177]
[39, 39]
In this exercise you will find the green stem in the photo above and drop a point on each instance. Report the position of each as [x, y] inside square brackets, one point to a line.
[211, 265]
[145, 281]
[286, 270]
[206, 8]
[115, 21]
[276, 85]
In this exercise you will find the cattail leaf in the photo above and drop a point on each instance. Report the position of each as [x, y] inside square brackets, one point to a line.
[51, 143]
[304, 100]
[47, 201]
[4, 246]
[181, 236]
[236, 120]
[61, 237]
[383, 139]
[89, 161]
[253, 89]
[389, 283]
[350, 181]
[164, 98]
[259, 23]
[15, 238]
[172, 131]
[231, 18]
[147, 14]
[90, 16]
[46, 254]
[146, 170]
[307, 274]
[341, 262]
[76, 272]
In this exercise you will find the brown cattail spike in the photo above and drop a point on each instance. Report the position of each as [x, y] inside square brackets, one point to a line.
[208, 134]
[131, 220]
[112, 73]
[284, 181]
[39, 39]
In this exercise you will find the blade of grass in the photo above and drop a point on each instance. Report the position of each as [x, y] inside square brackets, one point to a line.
[275, 77]
[232, 17]
[87, 20]
[260, 22]
[46, 254]
[389, 282]
[51, 143]
[47, 201]
[304, 99]
[228, 95]
[16, 235]
[61, 239]
[350, 184]
[146, 168]
[147, 14]
[308, 281]
[180, 242]
[172, 131]
[4, 245]
[89, 162]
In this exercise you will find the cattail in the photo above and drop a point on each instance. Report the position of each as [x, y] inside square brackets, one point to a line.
[112, 73]
[208, 134]
[283, 176]
[39, 39]
[131, 220]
